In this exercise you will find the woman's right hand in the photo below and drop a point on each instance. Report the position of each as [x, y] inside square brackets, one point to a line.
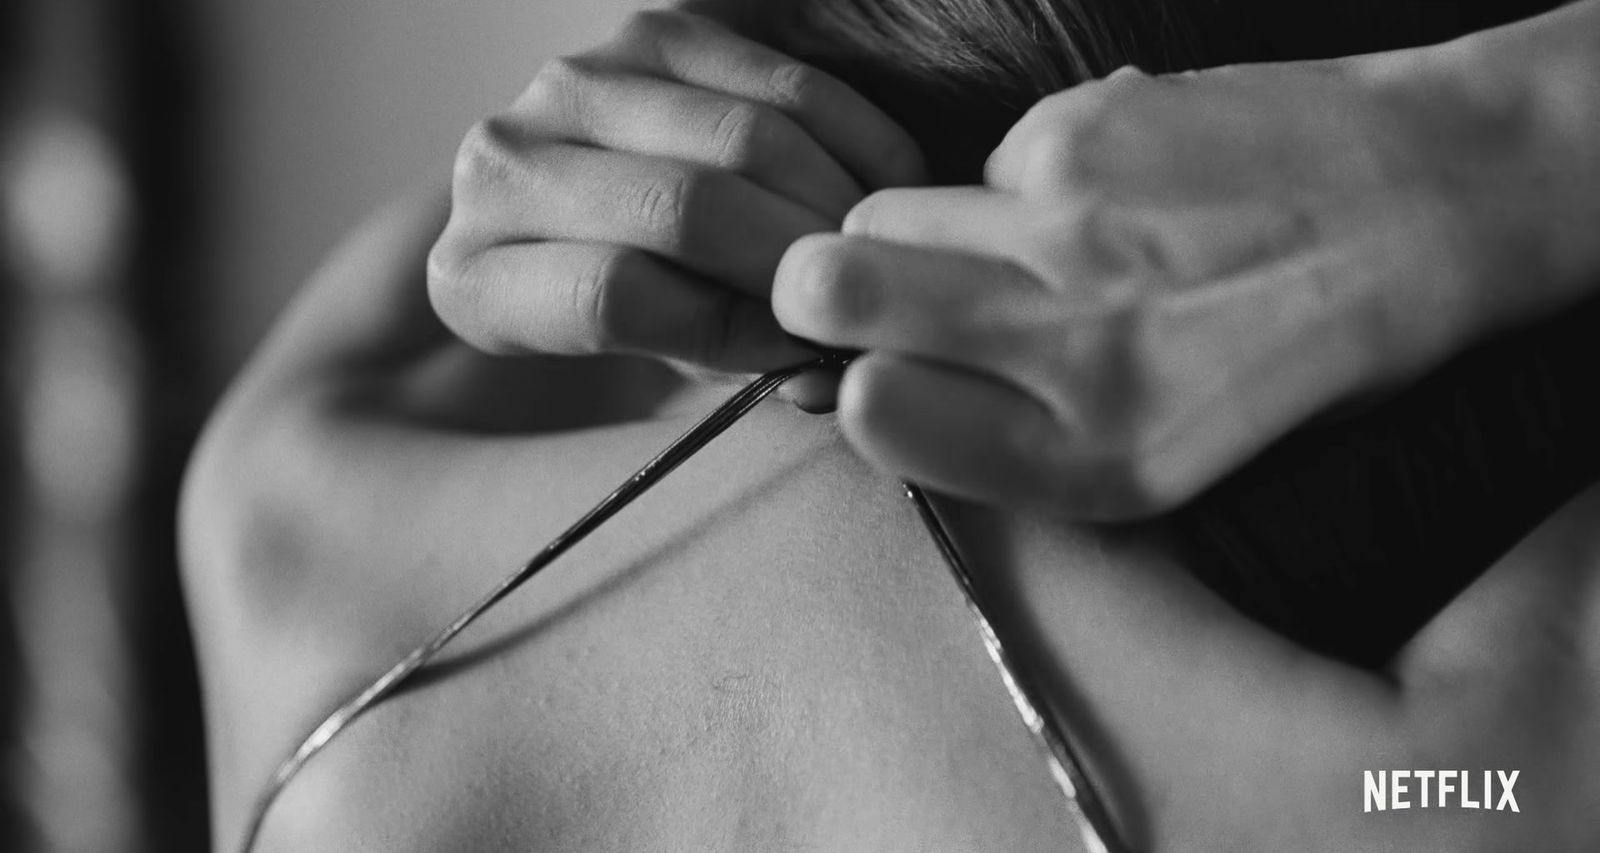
[639, 196]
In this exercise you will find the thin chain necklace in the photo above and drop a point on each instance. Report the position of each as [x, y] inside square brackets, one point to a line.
[1066, 769]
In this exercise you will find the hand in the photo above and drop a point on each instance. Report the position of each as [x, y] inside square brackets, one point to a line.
[1161, 276]
[638, 197]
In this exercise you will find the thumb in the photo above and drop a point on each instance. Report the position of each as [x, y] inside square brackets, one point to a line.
[973, 436]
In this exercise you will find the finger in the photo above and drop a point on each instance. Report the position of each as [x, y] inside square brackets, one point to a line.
[956, 431]
[815, 391]
[984, 437]
[1230, 682]
[581, 298]
[1202, 137]
[973, 220]
[695, 50]
[1126, 133]
[955, 308]
[1078, 245]
[578, 102]
[1064, 136]
[1077, 248]
[715, 223]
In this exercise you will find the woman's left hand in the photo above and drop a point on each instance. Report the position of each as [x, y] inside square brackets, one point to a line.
[1163, 275]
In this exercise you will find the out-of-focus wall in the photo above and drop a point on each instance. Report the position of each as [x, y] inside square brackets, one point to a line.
[170, 171]
[327, 107]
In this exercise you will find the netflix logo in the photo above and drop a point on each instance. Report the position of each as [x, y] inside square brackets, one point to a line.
[1439, 789]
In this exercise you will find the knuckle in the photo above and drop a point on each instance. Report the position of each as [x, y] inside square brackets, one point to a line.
[554, 87]
[1097, 234]
[712, 330]
[657, 20]
[1104, 478]
[445, 281]
[599, 299]
[1126, 75]
[1060, 153]
[793, 86]
[746, 135]
[1066, 140]
[1085, 226]
[662, 209]
[651, 27]
[678, 212]
[448, 269]
[457, 293]
[1125, 407]
[1074, 249]
[638, 24]
[485, 157]
[1122, 254]
[1110, 95]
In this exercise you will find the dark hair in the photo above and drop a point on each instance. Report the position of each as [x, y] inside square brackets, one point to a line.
[1346, 537]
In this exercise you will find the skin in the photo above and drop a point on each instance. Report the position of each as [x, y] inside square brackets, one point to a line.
[1162, 275]
[765, 654]
[1159, 277]
[674, 165]
[772, 628]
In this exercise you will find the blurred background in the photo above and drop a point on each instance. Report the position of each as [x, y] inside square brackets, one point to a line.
[170, 171]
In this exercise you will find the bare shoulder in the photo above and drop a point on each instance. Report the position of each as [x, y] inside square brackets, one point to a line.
[763, 653]
[363, 457]
[1541, 602]
[1508, 676]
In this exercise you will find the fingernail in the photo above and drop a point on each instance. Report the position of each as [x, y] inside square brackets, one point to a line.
[814, 392]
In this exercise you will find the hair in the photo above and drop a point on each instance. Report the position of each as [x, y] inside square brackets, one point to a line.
[1345, 537]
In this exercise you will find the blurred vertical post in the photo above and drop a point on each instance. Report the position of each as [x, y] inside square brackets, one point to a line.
[11, 826]
[10, 804]
[166, 142]
[66, 219]
[91, 587]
